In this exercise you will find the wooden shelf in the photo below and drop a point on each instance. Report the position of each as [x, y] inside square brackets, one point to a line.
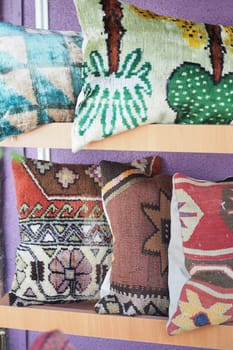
[154, 137]
[81, 319]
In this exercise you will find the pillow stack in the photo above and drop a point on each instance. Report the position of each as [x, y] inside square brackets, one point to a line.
[173, 248]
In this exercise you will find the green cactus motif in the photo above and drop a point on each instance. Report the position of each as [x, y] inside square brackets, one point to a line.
[197, 99]
[198, 96]
[114, 101]
[125, 86]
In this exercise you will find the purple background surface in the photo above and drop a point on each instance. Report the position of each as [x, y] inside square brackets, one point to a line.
[206, 166]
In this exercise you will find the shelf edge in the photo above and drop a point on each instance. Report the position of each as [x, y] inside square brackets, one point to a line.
[85, 322]
[153, 137]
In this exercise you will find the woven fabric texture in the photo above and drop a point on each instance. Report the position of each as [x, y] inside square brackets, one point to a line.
[40, 77]
[54, 340]
[138, 210]
[65, 241]
[142, 68]
[200, 254]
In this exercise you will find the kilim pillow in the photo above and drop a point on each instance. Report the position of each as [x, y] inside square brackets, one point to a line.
[65, 241]
[138, 210]
[142, 68]
[54, 340]
[200, 254]
[40, 77]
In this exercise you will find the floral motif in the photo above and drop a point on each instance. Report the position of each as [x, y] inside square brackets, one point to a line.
[66, 177]
[70, 269]
[115, 101]
[42, 167]
[95, 173]
[194, 314]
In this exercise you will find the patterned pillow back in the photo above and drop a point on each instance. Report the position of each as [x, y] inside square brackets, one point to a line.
[40, 77]
[142, 68]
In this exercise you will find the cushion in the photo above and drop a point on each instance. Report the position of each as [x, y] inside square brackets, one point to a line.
[65, 241]
[53, 340]
[138, 210]
[40, 77]
[142, 68]
[200, 254]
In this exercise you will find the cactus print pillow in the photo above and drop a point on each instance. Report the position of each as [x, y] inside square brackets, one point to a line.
[142, 68]
[40, 77]
[200, 254]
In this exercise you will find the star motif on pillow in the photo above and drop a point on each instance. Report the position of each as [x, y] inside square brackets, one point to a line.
[157, 242]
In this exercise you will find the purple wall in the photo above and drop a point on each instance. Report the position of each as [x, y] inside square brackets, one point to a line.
[212, 167]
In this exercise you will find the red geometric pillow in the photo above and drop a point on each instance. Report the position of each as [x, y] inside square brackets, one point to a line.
[200, 254]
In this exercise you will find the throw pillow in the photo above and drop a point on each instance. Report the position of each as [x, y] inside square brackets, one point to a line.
[142, 68]
[40, 77]
[138, 210]
[65, 240]
[200, 254]
[54, 340]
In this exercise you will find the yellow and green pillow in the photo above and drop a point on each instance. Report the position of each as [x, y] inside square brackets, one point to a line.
[142, 68]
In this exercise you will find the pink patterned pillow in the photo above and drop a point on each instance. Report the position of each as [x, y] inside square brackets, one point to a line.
[54, 340]
[200, 254]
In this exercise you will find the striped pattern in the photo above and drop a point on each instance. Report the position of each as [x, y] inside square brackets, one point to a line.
[121, 183]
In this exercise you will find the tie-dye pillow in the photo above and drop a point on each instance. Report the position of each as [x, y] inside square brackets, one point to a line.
[40, 77]
[142, 68]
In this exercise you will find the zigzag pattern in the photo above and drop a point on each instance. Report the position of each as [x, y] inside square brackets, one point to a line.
[79, 211]
[72, 232]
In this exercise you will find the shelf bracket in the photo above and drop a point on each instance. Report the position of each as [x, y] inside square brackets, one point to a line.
[42, 22]
[41, 14]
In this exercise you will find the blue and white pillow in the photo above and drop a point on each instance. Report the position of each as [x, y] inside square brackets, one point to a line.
[40, 77]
